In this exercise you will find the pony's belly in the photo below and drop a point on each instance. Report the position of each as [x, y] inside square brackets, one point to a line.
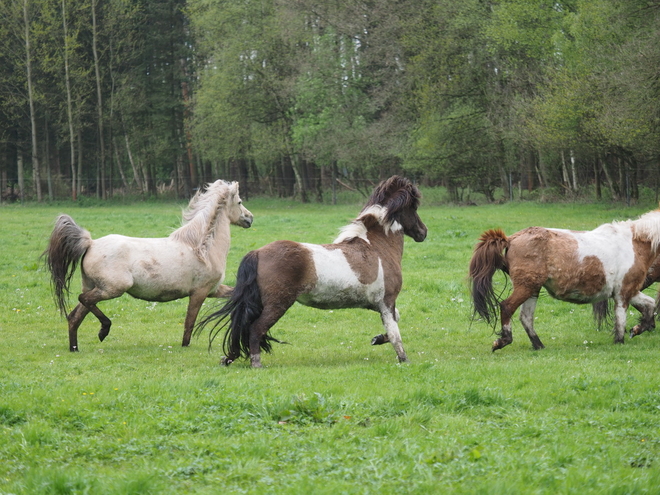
[159, 295]
[336, 299]
[577, 294]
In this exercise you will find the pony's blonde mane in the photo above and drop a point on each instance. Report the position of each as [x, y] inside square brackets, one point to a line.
[647, 227]
[200, 218]
[357, 228]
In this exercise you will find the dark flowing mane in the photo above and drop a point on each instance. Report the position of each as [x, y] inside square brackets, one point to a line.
[395, 195]
[388, 201]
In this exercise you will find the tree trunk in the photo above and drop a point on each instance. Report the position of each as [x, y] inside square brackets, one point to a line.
[99, 104]
[136, 172]
[121, 171]
[610, 183]
[21, 176]
[542, 172]
[573, 172]
[69, 104]
[46, 155]
[80, 161]
[564, 170]
[33, 118]
[334, 182]
[597, 178]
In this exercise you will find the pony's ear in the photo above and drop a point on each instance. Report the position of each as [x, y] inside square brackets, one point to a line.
[233, 188]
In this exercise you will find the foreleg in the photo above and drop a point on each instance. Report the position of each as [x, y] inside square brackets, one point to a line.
[195, 302]
[392, 332]
[383, 338]
[527, 320]
[619, 320]
[646, 306]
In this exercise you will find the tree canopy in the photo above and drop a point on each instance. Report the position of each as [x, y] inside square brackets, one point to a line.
[298, 97]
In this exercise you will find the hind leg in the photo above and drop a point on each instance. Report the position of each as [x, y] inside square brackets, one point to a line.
[527, 320]
[507, 308]
[258, 330]
[75, 318]
[89, 300]
[646, 306]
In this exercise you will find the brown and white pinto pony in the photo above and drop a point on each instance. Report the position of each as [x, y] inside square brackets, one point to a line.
[189, 263]
[611, 261]
[361, 269]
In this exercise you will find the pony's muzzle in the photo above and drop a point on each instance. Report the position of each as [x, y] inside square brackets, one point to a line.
[420, 235]
[246, 222]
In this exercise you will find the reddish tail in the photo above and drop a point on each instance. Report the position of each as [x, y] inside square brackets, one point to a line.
[488, 257]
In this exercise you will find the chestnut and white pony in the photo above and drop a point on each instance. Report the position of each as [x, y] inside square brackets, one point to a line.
[611, 261]
[361, 269]
[189, 263]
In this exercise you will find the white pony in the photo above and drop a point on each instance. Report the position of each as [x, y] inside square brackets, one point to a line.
[189, 263]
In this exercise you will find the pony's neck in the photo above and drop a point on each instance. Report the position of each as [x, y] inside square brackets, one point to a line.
[218, 240]
[391, 241]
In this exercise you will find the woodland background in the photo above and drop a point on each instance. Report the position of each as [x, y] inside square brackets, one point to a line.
[300, 98]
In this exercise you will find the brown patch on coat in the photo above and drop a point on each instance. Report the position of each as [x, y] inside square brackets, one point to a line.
[286, 270]
[549, 258]
[634, 279]
[653, 274]
[363, 257]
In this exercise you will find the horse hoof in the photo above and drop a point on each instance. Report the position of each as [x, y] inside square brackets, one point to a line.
[636, 330]
[379, 339]
[225, 361]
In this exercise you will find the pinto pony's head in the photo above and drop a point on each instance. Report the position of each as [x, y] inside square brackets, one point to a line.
[394, 204]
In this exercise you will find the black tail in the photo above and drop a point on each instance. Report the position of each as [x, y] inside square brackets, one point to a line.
[68, 244]
[602, 311]
[488, 257]
[239, 313]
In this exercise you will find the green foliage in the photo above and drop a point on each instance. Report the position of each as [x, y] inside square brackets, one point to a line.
[469, 95]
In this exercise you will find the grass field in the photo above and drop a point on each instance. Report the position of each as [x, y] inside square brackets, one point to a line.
[329, 413]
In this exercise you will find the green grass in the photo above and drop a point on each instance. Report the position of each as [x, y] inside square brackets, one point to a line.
[329, 413]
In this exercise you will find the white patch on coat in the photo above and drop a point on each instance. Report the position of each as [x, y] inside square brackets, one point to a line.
[612, 244]
[338, 286]
[351, 231]
[357, 228]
